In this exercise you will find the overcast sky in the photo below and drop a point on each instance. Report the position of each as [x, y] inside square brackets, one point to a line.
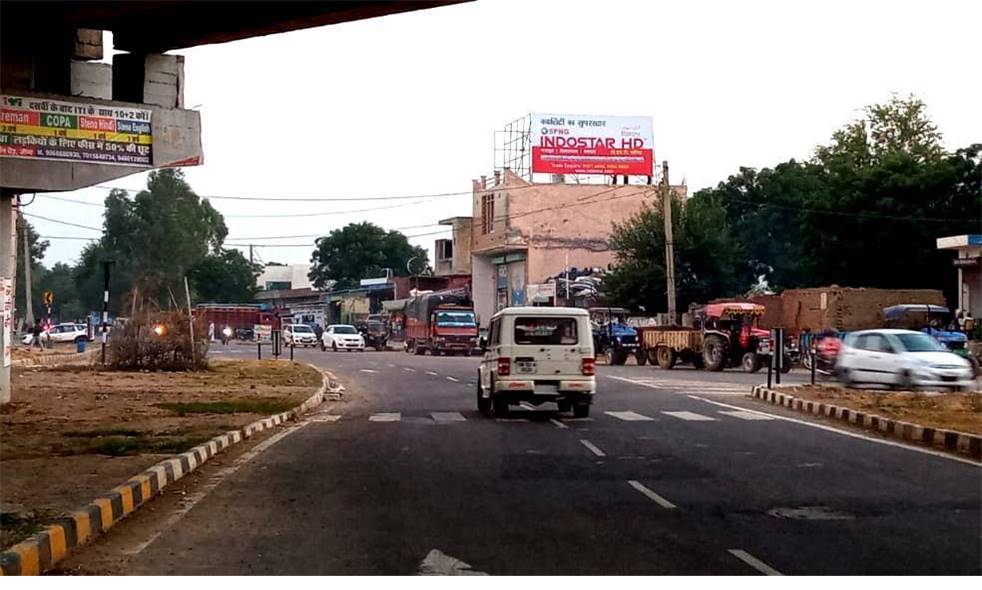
[407, 104]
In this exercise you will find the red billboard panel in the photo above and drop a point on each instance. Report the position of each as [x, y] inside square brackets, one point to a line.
[581, 144]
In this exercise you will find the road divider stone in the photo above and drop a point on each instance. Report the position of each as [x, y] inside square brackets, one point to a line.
[948, 440]
[41, 552]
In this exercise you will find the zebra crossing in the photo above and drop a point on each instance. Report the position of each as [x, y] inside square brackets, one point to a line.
[526, 415]
[689, 386]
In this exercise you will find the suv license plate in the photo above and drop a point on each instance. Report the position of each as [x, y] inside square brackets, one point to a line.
[525, 366]
[546, 389]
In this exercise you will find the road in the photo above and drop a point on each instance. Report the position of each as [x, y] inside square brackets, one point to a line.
[669, 475]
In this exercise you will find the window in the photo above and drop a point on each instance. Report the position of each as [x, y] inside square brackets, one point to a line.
[873, 343]
[487, 213]
[545, 330]
[920, 343]
[458, 319]
[344, 330]
[495, 338]
[445, 250]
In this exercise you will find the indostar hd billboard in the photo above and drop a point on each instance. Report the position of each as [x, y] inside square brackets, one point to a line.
[582, 144]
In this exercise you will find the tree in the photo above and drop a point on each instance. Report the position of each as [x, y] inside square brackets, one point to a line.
[709, 262]
[37, 248]
[362, 250]
[60, 280]
[154, 239]
[226, 276]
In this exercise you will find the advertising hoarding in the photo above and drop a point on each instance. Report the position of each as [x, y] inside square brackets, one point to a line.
[43, 129]
[587, 144]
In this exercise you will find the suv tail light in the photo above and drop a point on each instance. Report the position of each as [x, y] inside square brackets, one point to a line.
[588, 366]
[504, 366]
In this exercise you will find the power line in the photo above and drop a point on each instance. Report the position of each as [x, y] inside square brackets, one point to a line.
[36, 216]
[297, 236]
[307, 199]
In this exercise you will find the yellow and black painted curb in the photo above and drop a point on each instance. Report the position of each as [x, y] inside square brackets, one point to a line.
[42, 551]
[948, 440]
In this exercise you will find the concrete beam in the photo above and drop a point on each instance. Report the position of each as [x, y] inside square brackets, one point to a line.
[88, 44]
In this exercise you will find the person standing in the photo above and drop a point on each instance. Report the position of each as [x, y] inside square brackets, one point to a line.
[211, 331]
[36, 331]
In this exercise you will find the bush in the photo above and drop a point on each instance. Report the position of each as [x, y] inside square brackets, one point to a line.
[158, 341]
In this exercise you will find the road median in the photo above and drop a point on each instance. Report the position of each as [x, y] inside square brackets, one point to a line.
[131, 445]
[950, 422]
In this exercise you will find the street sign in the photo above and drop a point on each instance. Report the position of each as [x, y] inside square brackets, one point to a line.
[48, 298]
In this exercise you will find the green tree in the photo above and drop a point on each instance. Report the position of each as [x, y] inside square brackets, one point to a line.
[37, 248]
[226, 276]
[154, 239]
[60, 280]
[709, 262]
[362, 250]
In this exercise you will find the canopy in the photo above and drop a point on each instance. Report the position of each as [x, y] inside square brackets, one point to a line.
[895, 311]
[722, 309]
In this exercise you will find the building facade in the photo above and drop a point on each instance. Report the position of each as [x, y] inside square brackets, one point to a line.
[524, 234]
[969, 270]
[453, 256]
[277, 277]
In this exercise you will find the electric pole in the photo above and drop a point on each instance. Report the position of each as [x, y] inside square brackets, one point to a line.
[250, 254]
[29, 318]
[666, 194]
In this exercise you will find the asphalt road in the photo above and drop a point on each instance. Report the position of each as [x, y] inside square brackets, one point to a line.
[661, 479]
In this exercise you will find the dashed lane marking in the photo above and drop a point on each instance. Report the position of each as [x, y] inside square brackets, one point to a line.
[454, 379]
[324, 418]
[651, 494]
[558, 423]
[593, 448]
[385, 417]
[448, 416]
[432, 374]
[744, 415]
[755, 563]
[369, 371]
[410, 369]
[689, 416]
[630, 416]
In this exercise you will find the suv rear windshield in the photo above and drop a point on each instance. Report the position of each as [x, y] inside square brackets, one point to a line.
[545, 330]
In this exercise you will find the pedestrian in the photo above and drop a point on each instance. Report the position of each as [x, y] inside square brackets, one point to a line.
[211, 331]
[36, 331]
[318, 331]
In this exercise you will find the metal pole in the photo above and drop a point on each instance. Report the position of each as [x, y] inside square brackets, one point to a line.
[105, 306]
[770, 368]
[669, 243]
[812, 352]
[291, 351]
[259, 350]
[187, 293]
[778, 353]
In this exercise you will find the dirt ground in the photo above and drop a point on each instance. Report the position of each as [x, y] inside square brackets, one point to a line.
[953, 411]
[73, 433]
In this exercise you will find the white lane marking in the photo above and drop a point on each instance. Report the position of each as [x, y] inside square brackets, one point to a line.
[629, 416]
[454, 379]
[755, 563]
[391, 366]
[689, 416]
[651, 494]
[558, 423]
[697, 386]
[410, 369]
[448, 416]
[189, 502]
[526, 405]
[438, 563]
[744, 415]
[593, 448]
[844, 432]
[385, 417]
[432, 374]
[369, 371]
[324, 418]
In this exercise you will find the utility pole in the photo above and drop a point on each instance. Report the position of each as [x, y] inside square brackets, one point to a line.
[250, 254]
[666, 195]
[105, 306]
[29, 318]
[8, 265]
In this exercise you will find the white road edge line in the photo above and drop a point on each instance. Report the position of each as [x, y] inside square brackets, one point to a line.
[755, 563]
[558, 423]
[593, 448]
[844, 432]
[213, 482]
[651, 494]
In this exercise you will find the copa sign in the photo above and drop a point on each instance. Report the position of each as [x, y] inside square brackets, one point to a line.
[586, 144]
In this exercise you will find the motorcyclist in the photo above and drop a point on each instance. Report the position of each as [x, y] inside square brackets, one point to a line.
[226, 334]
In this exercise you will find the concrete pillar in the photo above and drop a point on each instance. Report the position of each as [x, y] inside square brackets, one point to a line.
[8, 267]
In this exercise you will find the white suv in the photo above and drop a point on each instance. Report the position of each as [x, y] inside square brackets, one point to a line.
[538, 355]
[901, 358]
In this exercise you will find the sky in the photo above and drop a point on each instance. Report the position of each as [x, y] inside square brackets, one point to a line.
[407, 104]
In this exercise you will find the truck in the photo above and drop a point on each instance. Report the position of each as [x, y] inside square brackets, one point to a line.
[441, 322]
[723, 335]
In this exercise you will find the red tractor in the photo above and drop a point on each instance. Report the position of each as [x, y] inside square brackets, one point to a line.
[731, 337]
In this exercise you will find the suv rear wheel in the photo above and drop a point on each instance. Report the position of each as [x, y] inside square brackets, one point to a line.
[581, 410]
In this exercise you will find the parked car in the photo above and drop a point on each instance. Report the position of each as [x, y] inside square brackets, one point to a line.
[342, 337]
[901, 358]
[538, 355]
[299, 335]
[69, 332]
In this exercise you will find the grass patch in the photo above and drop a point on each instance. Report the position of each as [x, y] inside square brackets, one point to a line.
[242, 406]
[121, 446]
[103, 432]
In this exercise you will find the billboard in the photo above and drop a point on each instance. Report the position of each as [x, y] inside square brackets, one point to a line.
[43, 129]
[586, 144]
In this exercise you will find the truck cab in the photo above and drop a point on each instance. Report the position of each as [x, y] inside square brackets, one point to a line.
[538, 355]
[612, 337]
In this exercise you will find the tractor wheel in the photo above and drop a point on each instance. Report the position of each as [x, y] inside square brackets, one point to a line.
[641, 356]
[620, 357]
[652, 357]
[714, 353]
[751, 362]
[666, 357]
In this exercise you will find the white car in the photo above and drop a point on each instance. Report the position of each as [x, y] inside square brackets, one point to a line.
[901, 358]
[538, 355]
[299, 335]
[342, 337]
[61, 333]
